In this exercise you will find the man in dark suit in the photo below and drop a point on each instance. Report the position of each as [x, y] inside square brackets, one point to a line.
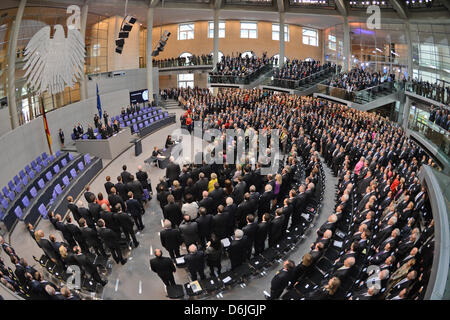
[142, 177]
[76, 234]
[48, 249]
[108, 185]
[200, 186]
[219, 223]
[126, 224]
[172, 211]
[243, 209]
[276, 228]
[261, 234]
[238, 249]
[88, 193]
[163, 267]
[265, 201]
[86, 214]
[230, 211]
[250, 232]
[136, 187]
[88, 266]
[111, 240]
[189, 231]
[73, 208]
[218, 196]
[239, 190]
[281, 280]
[91, 238]
[204, 222]
[136, 210]
[94, 208]
[68, 237]
[115, 199]
[126, 176]
[208, 203]
[171, 239]
[173, 170]
[195, 262]
[120, 188]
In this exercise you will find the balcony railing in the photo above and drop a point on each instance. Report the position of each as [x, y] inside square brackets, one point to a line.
[294, 84]
[433, 94]
[229, 79]
[197, 61]
[362, 96]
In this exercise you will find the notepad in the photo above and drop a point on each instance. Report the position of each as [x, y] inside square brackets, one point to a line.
[337, 244]
[180, 260]
[227, 279]
[225, 242]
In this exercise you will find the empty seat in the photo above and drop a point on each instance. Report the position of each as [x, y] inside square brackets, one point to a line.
[73, 136]
[56, 168]
[22, 174]
[51, 159]
[41, 183]
[141, 125]
[87, 158]
[11, 185]
[49, 176]
[139, 118]
[38, 168]
[19, 213]
[27, 168]
[31, 174]
[58, 153]
[70, 157]
[73, 173]
[44, 155]
[98, 137]
[151, 120]
[25, 180]
[4, 203]
[42, 211]
[85, 136]
[80, 165]
[65, 180]
[33, 164]
[135, 128]
[58, 189]
[44, 162]
[135, 114]
[25, 201]
[19, 187]
[5, 191]
[146, 123]
[2, 214]
[95, 130]
[39, 160]
[128, 123]
[63, 162]
[133, 121]
[33, 192]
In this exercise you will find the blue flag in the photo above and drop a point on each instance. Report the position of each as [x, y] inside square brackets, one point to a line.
[99, 104]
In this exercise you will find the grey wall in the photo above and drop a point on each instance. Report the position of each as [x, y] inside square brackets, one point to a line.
[28, 141]
[5, 123]
[135, 79]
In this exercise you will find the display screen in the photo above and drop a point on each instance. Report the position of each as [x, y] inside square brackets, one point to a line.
[139, 96]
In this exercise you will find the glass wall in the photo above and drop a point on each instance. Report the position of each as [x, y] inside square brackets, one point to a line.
[431, 52]
[333, 45]
[5, 25]
[384, 50]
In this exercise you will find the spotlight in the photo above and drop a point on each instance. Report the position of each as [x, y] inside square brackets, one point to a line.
[127, 27]
[120, 42]
[119, 50]
[132, 20]
[123, 35]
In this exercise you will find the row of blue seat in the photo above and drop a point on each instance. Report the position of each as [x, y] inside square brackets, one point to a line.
[57, 190]
[145, 123]
[25, 177]
[143, 111]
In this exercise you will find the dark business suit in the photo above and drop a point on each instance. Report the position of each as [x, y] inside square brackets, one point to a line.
[136, 210]
[195, 263]
[171, 240]
[165, 268]
[111, 240]
[238, 252]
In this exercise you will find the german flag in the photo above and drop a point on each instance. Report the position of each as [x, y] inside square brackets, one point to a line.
[47, 131]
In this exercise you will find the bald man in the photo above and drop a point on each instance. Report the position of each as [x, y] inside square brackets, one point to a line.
[163, 267]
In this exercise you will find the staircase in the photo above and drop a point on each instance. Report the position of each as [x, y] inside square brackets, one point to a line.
[170, 104]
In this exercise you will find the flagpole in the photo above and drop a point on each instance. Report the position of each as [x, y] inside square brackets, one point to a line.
[46, 129]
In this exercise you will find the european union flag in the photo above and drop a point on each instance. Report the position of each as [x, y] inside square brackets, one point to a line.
[99, 104]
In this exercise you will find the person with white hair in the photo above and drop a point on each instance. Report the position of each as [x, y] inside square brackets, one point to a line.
[172, 171]
[238, 249]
